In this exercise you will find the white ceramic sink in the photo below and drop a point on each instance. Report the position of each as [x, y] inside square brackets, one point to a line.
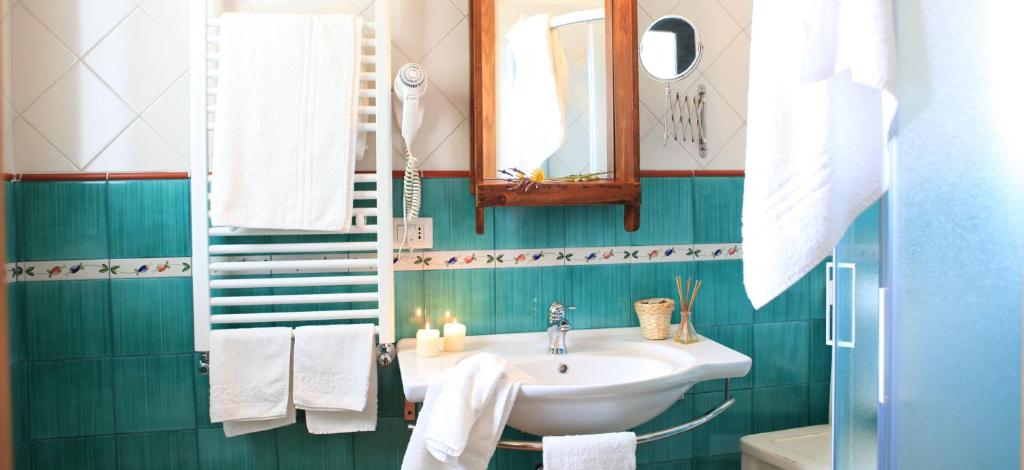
[614, 379]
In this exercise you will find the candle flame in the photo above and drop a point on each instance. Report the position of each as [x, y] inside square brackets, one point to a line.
[426, 326]
[419, 312]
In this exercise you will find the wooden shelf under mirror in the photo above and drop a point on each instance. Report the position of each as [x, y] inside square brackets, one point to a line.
[595, 105]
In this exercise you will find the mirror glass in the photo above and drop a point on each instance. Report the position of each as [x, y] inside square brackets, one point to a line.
[552, 103]
[670, 49]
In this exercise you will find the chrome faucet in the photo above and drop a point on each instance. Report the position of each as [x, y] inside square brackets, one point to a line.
[558, 326]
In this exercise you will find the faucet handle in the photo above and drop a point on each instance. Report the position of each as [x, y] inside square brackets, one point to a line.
[556, 311]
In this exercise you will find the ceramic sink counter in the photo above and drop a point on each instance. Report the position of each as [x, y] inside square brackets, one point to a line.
[611, 379]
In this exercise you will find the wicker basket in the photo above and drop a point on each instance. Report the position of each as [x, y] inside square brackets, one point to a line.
[655, 316]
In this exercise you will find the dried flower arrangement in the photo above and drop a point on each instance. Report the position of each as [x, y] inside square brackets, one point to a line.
[521, 181]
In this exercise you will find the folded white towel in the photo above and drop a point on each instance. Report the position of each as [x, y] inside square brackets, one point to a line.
[250, 374]
[335, 377]
[237, 428]
[614, 451]
[463, 415]
[822, 99]
[534, 94]
[287, 134]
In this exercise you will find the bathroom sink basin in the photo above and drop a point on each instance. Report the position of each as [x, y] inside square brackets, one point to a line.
[611, 379]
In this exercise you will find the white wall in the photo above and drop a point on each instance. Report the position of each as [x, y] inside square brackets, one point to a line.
[101, 85]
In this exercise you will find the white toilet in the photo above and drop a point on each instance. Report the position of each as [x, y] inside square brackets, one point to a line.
[807, 448]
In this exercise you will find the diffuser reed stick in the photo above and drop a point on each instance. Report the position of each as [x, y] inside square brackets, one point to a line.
[685, 333]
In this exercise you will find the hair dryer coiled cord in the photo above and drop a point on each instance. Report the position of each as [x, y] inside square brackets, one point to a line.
[411, 194]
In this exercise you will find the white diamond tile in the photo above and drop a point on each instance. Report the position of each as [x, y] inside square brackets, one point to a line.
[716, 26]
[6, 135]
[448, 66]
[38, 58]
[5, 58]
[721, 123]
[441, 120]
[306, 6]
[173, 16]
[80, 24]
[452, 154]
[5, 8]
[648, 122]
[419, 25]
[33, 154]
[730, 74]
[80, 115]
[741, 10]
[141, 149]
[732, 155]
[672, 156]
[139, 60]
[657, 8]
[169, 116]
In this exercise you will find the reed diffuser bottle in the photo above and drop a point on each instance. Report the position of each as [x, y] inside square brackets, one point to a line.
[685, 333]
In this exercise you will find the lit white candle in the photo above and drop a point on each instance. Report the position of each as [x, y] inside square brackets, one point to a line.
[428, 342]
[454, 336]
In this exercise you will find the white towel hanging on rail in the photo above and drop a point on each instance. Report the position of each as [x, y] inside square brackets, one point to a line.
[287, 133]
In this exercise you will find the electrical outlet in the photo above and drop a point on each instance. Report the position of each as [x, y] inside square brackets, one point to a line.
[421, 233]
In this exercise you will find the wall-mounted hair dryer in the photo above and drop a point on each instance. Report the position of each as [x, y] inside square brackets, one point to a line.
[410, 85]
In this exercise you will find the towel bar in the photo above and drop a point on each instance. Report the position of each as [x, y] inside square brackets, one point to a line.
[385, 357]
[643, 438]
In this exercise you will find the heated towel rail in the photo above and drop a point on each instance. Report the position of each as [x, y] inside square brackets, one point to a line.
[246, 276]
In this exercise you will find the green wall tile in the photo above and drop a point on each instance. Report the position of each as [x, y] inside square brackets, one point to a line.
[19, 402]
[202, 398]
[390, 396]
[673, 465]
[176, 450]
[820, 355]
[16, 321]
[721, 462]
[70, 398]
[649, 280]
[11, 220]
[94, 453]
[739, 338]
[257, 451]
[449, 202]
[408, 298]
[600, 225]
[793, 304]
[152, 316]
[722, 300]
[467, 293]
[300, 450]
[22, 456]
[673, 448]
[516, 459]
[383, 449]
[154, 393]
[816, 280]
[722, 435]
[601, 296]
[63, 220]
[528, 227]
[67, 319]
[781, 353]
[523, 295]
[719, 206]
[149, 219]
[818, 403]
[666, 212]
[778, 408]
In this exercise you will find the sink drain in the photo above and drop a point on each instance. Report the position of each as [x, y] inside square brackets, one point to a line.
[563, 368]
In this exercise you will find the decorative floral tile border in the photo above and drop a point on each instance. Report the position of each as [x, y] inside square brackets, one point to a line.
[32, 271]
[84, 270]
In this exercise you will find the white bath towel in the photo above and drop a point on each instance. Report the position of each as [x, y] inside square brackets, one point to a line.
[286, 134]
[250, 376]
[463, 415]
[534, 94]
[237, 428]
[336, 378]
[613, 451]
[822, 99]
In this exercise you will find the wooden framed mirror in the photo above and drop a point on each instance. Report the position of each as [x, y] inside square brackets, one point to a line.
[555, 104]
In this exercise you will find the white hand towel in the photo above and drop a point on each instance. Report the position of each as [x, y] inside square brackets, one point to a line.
[534, 94]
[286, 136]
[614, 451]
[237, 428]
[463, 415]
[822, 99]
[250, 374]
[336, 378]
